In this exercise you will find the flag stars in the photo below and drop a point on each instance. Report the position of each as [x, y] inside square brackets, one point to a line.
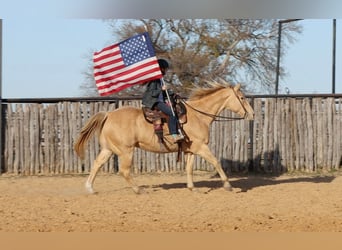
[134, 50]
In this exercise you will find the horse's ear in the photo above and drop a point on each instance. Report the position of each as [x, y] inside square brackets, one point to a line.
[237, 87]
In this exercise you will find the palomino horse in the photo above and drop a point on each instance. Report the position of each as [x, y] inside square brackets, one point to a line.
[125, 128]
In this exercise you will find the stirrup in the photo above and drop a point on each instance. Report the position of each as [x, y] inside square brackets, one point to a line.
[177, 137]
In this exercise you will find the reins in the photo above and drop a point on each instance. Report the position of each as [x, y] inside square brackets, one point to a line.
[222, 118]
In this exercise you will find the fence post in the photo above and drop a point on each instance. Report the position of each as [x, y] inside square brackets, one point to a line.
[251, 140]
[1, 113]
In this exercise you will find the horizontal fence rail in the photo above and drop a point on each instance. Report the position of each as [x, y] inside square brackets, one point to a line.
[289, 133]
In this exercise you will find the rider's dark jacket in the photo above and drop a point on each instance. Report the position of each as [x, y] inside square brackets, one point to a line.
[153, 94]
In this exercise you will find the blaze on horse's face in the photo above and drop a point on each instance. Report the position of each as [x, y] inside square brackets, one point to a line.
[240, 105]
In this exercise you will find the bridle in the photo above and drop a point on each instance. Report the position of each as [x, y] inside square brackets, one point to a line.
[243, 106]
[221, 118]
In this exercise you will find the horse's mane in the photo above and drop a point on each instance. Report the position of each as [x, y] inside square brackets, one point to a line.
[213, 86]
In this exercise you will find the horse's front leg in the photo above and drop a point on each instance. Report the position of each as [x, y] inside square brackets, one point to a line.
[208, 156]
[189, 170]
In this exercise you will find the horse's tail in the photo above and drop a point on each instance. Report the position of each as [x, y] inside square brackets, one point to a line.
[94, 124]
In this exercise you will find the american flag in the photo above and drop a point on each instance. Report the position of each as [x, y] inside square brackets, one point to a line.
[119, 66]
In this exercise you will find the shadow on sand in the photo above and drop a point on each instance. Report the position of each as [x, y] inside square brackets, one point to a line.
[248, 183]
[261, 171]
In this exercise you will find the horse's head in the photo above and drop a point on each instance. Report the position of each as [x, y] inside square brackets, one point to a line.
[219, 97]
[239, 104]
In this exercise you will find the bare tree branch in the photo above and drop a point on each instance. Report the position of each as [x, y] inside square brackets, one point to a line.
[242, 50]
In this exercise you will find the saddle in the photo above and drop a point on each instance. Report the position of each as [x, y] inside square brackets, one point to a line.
[158, 118]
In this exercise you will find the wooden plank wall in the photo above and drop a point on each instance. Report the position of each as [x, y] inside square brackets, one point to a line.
[288, 134]
[297, 134]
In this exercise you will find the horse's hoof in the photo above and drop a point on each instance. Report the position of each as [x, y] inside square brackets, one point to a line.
[230, 188]
[89, 189]
[193, 189]
[137, 190]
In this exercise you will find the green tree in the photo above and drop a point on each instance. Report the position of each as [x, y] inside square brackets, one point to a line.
[235, 50]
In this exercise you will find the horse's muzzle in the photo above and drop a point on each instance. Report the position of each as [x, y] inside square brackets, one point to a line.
[249, 116]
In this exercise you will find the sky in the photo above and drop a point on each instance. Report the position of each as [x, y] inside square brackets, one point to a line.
[46, 48]
[309, 60]
[47, 57]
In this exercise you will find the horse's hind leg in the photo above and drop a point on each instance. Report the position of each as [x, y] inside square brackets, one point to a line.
[125, 161]
[102, 158]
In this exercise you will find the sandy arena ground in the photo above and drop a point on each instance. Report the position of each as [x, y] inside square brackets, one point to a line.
[301, 203]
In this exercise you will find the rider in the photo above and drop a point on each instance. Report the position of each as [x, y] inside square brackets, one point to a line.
[155, 96]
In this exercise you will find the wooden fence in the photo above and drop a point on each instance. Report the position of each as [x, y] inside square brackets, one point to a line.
[288, 134]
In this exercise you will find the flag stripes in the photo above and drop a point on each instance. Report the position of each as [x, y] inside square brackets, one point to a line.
[127, 63]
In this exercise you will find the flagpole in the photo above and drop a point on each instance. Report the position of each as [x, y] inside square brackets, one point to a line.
[171, 106]
[164, 84]
[2, 121]
[168, 97]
